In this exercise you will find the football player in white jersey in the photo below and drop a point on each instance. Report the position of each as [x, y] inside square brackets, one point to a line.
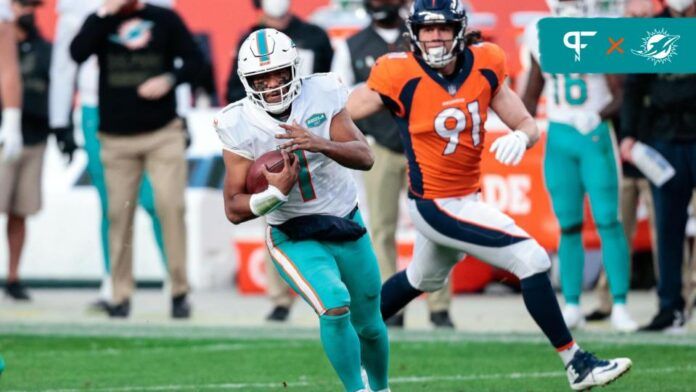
[316, 235]
[581, 158]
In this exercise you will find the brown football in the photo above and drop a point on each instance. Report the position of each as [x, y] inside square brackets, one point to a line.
[256, 181]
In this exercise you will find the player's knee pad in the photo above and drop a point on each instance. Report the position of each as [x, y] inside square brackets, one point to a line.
[530, 260]
[425, 282]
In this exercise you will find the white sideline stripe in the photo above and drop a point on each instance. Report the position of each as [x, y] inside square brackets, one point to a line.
[193, 332]
[294, 274]
[395, 380]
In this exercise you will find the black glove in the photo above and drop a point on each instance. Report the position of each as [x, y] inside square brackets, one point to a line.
[65, 138]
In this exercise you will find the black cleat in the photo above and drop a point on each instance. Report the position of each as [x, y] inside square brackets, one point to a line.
[441, 319]
[16, 291]
[279, 314]
[395, 321]
[181, 309]
[121, 310]
[598, 315]
[666, 320]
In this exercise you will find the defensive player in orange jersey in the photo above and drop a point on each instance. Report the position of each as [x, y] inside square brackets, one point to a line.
[440, 94]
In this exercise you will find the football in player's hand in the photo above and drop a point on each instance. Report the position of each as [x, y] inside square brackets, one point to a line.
[256, 181]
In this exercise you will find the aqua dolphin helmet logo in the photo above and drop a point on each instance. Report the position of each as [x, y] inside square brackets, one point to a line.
[659, 47]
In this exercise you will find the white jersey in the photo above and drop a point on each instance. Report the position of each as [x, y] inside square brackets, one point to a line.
[569, 92]
[324, 187]
[5, 11]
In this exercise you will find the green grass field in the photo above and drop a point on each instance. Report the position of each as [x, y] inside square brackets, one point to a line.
[128, 358]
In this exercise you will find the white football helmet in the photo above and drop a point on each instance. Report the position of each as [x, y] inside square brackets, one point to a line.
[268, 50]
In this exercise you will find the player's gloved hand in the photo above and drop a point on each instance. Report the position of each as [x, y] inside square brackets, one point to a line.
[585, 121]
[510, 149]
[11, 134]
[65, 138]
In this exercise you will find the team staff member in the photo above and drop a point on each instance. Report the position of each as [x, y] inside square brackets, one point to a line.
[136, 45]
[315, 53]
[10, 93]
[64, 72]
[671, 102]
[20, 180]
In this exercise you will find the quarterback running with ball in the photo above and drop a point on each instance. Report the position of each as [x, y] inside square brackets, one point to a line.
[316, 235]
[440, 94]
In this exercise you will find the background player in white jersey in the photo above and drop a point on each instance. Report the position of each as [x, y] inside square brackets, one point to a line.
[316, 236]
[581, 158]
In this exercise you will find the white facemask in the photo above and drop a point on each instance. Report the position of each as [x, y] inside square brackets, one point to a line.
[679, 5]
[438, 57]
[275, 8]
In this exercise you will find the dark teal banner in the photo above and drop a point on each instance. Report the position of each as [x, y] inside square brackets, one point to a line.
[617, 45]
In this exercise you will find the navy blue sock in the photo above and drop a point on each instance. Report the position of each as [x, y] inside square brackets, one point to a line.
[397, 292]
[541, 303]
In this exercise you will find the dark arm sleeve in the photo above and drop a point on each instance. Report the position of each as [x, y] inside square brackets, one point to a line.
[324, 53]
[91, 37]
[632, 106]
[186, 49]
[235, 89]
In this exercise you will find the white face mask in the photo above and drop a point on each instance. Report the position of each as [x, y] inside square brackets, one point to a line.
[275, 8]
[679, 5]
[438, 57]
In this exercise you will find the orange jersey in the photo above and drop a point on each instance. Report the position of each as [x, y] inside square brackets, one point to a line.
[441, 119]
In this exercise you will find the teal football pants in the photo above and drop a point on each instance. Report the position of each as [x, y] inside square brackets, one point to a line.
[575, 165]
[332, 275]
[146, 198]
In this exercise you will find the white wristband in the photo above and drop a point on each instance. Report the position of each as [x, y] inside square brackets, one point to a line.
[266, 201]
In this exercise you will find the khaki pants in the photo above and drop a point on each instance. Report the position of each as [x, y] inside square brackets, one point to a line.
[383, 186]
[20, 182]
[162, 154]
[632, 190]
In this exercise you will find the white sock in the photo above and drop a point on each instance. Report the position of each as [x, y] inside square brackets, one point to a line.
[568, 354]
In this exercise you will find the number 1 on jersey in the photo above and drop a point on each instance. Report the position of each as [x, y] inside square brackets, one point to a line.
[451, 122]
[305, 178]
